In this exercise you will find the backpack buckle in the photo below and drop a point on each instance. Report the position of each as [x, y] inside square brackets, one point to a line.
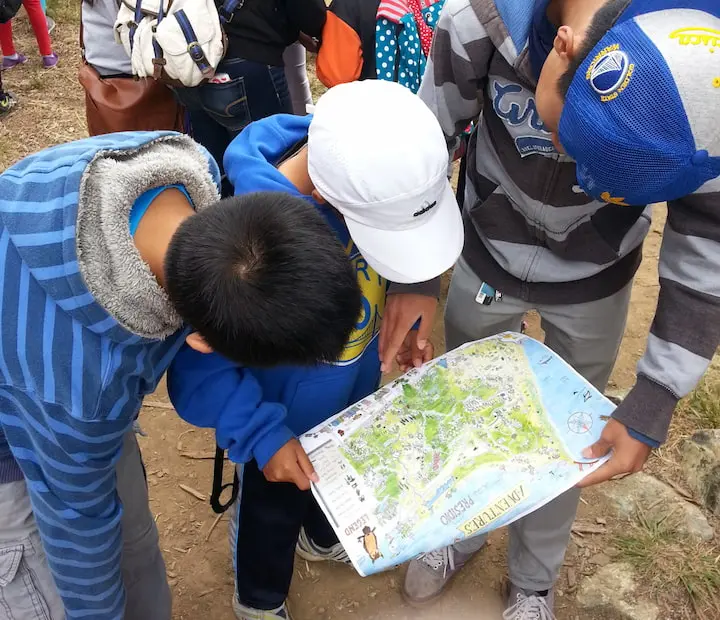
[225, 16]
[199, 58]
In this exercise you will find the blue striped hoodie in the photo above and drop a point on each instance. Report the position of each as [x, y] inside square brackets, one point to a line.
[86, 333]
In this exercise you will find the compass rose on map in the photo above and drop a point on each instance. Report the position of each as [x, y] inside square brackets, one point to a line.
[580, 422]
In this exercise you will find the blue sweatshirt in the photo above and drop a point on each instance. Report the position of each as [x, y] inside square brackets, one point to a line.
[256, 411]
[86, 333]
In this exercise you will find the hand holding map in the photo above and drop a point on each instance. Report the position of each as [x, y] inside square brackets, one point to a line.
[468, 443]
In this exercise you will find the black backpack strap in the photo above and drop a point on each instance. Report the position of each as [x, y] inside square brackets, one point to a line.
[218, 487]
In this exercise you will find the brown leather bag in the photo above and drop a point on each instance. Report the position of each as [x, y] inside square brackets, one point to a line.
[126, 104]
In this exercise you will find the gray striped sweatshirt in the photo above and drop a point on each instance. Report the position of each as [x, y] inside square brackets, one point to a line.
[532, 233]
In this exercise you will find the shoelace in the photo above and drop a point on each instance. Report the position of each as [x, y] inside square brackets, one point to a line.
[444, 558]
[529, 608]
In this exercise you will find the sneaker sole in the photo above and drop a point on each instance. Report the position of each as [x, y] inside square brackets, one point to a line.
[238, 613]
[311, 557]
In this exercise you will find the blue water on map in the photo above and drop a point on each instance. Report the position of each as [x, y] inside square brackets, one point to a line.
[574, 406]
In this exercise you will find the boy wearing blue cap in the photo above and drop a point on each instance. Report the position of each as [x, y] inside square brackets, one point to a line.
[591, 111]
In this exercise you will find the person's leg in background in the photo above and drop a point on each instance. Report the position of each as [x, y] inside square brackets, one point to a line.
[587, 336]
[205, 129]
[39, 25]
[49, 21]
[146, 586]
[295, 58]
[27, 589]
[36, 14]
[465, 320]
[7, 46]
[264, 528]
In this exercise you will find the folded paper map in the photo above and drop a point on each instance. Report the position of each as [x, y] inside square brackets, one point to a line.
[468, 443]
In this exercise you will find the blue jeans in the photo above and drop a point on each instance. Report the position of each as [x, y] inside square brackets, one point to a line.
[218, 112]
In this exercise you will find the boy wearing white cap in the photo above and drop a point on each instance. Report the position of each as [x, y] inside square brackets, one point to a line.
[389, 201]
[590, 111]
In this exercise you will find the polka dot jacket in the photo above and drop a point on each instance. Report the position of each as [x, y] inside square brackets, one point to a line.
[403, 35]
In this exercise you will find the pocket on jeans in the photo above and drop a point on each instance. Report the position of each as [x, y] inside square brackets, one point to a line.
[22, 579]
[227, 103]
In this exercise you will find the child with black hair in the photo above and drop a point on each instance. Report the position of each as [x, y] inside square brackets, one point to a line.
[388, 203]
[111, 248]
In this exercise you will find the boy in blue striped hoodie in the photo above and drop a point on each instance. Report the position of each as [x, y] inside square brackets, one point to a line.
[390, 204]
[109, 248]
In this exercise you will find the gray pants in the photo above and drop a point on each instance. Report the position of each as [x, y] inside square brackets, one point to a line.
[587, 336]
[27, 589]
[295, 59]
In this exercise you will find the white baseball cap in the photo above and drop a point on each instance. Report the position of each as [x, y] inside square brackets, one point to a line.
[378, 155]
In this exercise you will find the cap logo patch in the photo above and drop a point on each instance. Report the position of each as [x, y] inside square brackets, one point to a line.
[706, 37]
[610, 72]
[425, 208]
[613, 200]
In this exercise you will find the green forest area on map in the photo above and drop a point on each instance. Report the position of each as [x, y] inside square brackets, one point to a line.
[478, 407]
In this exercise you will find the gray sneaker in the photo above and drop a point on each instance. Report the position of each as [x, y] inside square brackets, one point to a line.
[429, 574]
[529, 605]
[311, 552]
[248, 613]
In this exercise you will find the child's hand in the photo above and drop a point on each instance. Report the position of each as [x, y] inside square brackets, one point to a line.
[409, 356]
[291, 464]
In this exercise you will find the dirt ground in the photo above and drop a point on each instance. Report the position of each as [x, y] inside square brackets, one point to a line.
[196, 552]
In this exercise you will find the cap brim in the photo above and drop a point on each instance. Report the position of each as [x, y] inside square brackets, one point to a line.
[416, 255]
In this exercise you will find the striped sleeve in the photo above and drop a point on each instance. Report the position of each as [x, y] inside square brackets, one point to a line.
[685, 332]
[69, 467]
[457, 68]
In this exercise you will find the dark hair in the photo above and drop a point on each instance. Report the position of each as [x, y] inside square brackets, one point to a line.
[602, 21]
[264, 280]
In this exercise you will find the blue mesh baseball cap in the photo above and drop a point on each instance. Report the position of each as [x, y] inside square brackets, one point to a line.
[642, 114]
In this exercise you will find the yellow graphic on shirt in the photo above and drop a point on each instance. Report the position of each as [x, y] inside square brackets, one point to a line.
[696, 36]
[373, 289]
